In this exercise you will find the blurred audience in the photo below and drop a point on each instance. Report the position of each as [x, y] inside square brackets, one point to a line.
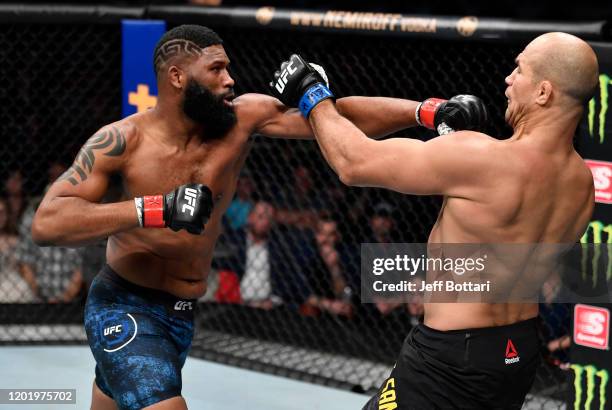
[13, 288]
[299, 203]
[256, 282]
[13, 189]
[240, 207]
[265, 261]
[53, 273]
[326, 272]
[381, 224]
[382, 230]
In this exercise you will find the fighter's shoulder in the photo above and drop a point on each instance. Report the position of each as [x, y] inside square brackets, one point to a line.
[469, 139]
[256, 107]
[121, 137]
[584, 172]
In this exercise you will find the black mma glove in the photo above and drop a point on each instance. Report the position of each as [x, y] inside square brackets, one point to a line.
[299, 84]
[462, 112]
[187, 207]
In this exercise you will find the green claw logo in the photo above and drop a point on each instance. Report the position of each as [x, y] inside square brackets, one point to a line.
[592, 377]
[594, 234]
[604, 82]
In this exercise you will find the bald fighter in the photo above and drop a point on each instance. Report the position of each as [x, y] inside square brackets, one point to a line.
[533, 187]
[178, 164]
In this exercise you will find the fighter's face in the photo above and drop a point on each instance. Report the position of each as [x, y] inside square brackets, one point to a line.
[520, 88]
[209, 94]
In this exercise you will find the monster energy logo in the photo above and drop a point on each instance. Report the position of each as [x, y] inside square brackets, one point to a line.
[604, 82]
[597, 228]
[593, 377]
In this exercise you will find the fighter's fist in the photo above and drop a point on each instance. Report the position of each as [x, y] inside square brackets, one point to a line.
[187, 207]
[299, 84]
[462, 112]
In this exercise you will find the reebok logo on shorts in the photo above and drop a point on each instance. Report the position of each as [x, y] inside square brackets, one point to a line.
[511, 353]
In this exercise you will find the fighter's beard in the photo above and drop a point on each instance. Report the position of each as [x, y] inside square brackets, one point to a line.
[209, 110]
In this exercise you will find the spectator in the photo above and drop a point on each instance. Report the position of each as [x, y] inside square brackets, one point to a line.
[13, 289]
[300, 204]
[266, 261]
[326, 272]
[53, 273]
[241, 205]
[13, 187]
[381, 224]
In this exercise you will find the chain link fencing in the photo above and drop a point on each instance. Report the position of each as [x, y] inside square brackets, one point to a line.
[290, 306]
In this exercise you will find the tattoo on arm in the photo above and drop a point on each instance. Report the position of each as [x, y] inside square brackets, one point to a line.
[83, 164]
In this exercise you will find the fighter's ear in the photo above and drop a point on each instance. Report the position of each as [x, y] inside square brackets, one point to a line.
[544, 91]
[176, 77]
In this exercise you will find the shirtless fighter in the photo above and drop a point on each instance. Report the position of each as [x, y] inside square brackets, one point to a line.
[191, 146]
[531, 188]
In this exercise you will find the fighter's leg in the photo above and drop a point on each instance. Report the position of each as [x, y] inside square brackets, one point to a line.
[138, 364]
[100, 401]
[175, 403]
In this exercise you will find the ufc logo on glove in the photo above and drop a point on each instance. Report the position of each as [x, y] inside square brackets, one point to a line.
[190, 197]
[282, 81]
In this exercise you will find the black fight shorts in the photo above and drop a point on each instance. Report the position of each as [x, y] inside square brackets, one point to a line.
[483, 368]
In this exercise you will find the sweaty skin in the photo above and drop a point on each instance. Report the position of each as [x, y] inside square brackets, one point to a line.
[531, 188]
[155, 151]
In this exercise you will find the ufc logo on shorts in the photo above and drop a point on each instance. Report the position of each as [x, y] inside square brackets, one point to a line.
[113, 329]
[190, 196]
[182, 305]
[282, 81]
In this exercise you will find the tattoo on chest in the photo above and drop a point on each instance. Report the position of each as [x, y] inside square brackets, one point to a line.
[111, 140]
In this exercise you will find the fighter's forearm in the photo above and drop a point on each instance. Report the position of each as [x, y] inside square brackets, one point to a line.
[378, 116]
[72, 221]
[340, 141]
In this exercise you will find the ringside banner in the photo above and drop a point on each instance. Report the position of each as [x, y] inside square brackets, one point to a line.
[589, 384]
[139, 84]
[387, 24]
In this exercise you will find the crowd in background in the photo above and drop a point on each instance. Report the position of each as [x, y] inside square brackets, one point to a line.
[28, 272]
[288, 247]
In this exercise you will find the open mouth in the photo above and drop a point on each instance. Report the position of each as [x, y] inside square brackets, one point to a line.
[228, 100]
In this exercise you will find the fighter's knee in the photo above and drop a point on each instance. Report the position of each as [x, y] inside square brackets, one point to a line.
[100, 401]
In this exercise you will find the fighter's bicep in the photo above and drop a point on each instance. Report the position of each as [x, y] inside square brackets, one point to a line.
[99, 158]
[439, 166]
[273, 119]
[397, 164]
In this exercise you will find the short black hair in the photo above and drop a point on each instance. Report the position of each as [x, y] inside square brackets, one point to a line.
[188, 39]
